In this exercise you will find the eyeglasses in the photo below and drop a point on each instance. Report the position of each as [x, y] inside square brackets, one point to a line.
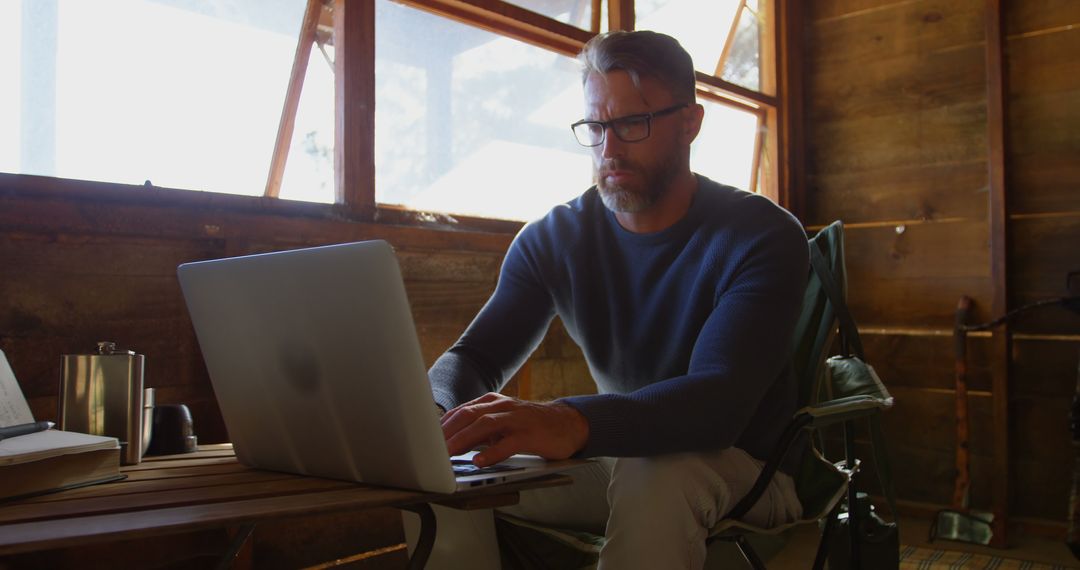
[632, 128]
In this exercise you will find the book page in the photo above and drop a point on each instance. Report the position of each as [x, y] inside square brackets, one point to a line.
[13, 407]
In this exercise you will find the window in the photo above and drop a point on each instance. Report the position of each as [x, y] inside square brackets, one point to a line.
[471, 100]
[469, 122]
[724, 151]
[577, 13]
[473, 123]
[10, 100]
[184, 94]
[735, 145]
[309, 172]
[736, 59]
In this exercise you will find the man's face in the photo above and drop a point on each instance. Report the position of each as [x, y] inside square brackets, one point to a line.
[631, 177]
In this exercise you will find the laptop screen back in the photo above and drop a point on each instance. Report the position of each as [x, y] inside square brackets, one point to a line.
[314, 359]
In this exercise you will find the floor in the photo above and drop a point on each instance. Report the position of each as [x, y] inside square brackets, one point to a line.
[799, 552]
[914, 531]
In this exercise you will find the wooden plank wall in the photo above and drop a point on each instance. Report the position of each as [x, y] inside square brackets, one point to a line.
[896, 104]
[1043, 79]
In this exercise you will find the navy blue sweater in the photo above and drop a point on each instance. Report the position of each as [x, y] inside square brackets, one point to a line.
[687, 331]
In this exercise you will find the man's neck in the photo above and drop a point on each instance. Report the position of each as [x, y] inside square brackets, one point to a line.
[666, 212]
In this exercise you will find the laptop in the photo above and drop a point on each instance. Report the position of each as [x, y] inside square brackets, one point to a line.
[314, 358]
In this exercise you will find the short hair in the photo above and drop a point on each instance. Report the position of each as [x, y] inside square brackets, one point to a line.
[641, 54]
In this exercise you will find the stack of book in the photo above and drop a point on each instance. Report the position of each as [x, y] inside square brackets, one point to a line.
[54, 460]
[50, 460]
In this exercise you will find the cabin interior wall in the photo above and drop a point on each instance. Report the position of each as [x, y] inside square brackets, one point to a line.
[896, 124]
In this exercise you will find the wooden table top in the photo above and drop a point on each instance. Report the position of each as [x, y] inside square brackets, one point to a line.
[207, 489]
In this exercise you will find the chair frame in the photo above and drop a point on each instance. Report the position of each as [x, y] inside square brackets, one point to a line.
[816, 416]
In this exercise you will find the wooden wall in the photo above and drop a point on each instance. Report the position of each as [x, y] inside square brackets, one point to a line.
[897, 146]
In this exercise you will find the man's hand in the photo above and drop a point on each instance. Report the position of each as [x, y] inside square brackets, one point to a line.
[507, 426]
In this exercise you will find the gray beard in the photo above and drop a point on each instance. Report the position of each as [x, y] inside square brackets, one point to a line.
[619, 199]
[624, 200]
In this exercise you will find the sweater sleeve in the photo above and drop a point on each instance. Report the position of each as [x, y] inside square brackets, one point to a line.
[741, 351]
[502, 336]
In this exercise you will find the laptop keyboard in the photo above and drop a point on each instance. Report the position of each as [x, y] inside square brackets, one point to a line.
[465, 467]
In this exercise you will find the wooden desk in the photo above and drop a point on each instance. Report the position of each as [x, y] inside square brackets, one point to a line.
[210, 489]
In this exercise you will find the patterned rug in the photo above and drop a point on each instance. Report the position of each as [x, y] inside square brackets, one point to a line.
[913, 557]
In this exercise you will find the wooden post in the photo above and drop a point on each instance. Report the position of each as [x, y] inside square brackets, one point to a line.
[621, 15]
[354, 106]
[292, 98]
[509, 20]
[756, 177]
[1000, 349]
[724, 53]
[790, 129]
[768, 46]
[767, 160]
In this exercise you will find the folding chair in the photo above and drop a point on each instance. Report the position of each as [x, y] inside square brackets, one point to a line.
[820, 484]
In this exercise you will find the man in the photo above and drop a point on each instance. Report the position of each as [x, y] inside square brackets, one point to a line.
[682, 294]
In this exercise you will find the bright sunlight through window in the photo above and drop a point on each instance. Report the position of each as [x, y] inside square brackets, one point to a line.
[188, 95]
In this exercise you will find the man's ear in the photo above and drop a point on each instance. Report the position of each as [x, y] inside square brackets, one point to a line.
[692, 125]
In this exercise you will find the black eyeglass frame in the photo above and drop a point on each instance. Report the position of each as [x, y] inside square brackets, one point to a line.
[613, 122]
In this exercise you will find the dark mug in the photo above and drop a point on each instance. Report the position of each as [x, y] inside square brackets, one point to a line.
[173, 432]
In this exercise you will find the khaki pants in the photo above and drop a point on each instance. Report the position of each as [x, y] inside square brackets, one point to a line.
[656, 511]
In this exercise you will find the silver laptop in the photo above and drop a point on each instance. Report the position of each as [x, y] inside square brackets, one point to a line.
[314, 359]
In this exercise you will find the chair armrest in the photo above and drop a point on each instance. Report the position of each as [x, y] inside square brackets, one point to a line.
[843, 409]
[793, 428]
[818, 415]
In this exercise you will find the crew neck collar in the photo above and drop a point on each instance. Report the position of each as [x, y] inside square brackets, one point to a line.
[692, 216]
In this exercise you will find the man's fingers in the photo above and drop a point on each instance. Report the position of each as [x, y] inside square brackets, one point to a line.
[485, 430]
[489, 397]
[498, 451]
[509, 426]
[463, 416]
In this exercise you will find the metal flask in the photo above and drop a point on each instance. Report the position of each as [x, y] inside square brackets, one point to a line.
[102, 394]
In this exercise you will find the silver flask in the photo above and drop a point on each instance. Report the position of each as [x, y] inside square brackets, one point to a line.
[102, 394]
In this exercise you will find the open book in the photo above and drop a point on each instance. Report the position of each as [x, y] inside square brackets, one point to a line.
[50, 460]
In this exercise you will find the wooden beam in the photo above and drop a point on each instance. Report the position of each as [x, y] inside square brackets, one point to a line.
[113, 195]
[737, 94]
[724, 53]
[594, 17]
[756, 162]
[770, 163]
[354, 106]
[292, 98]
[621, 15]
[790, 124]
[999, 357]
[769, 46]
[41, 204]
[509, 20]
